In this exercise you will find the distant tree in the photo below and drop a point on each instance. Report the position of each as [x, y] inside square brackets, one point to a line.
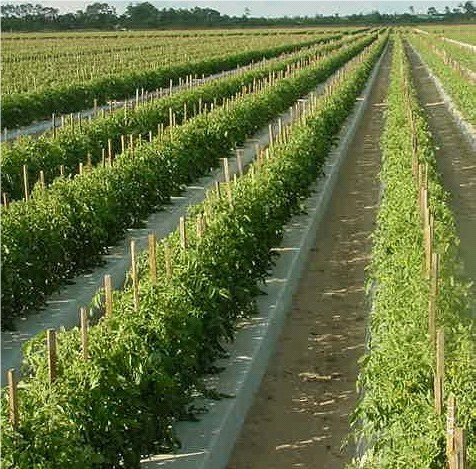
[100, 15]
[468, 8]
[142, 15]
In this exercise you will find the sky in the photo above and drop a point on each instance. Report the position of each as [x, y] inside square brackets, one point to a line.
[265, 8]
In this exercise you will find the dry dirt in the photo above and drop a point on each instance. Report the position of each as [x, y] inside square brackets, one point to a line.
[300, 415]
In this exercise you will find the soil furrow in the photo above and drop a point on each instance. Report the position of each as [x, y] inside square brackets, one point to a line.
[301, 412]
[456, 163]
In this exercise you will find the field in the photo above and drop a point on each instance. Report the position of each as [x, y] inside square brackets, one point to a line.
[464, 33]
[151, 180]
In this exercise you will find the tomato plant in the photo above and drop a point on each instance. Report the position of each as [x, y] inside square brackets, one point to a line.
[145, 365]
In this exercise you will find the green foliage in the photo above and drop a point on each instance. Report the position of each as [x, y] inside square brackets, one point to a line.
[73, 145]
[396, 416]
[23, 108]
[459, 87]
[65, 228]
[144, 366]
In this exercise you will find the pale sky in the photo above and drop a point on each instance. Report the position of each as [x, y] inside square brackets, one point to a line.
[265, 8]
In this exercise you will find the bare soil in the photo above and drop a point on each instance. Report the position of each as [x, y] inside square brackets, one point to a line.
[456, 162]
[301, 412]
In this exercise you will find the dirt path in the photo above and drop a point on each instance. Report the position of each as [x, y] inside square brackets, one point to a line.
[456, 163]
[301, 412]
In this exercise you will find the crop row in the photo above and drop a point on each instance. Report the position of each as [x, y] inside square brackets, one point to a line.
[399, 423]
[145, 360]
[459, 87]
[65, 228]
[69, 95]
[31, 46]
[73, 144]
[91, 60]
[57, 45]
[460, 58]
[461, 32]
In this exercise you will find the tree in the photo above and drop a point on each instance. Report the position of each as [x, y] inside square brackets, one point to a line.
[98, 9]
[432, 11]
[412, 9]
[468, 8]
[100, 15]
[142, 15]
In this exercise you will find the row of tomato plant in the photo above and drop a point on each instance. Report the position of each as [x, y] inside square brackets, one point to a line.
[70, 145]
[66, 228]
[145, 363]
[91, 60]
[396, 414]
[23, 108]
[459, 87]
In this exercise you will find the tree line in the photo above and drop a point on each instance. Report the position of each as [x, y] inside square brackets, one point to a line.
[29, 17]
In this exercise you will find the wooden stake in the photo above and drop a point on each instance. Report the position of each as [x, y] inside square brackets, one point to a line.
[168, 260]
[450, 431]
[239, 162]
[440, 371]
[84, 332]
[109, 150]
[433, 297]
[183, 234]
[200, 226]
[226, 170]
[12, 397]
[52, 358]
[153, 257]
[460, 448]
[135, 278]
[53, 120]
[108, 294]
[123, 143]
[257, 151]
[5, 200]
[80, 168]
[42, 179]
[25, 182]
[62, 170]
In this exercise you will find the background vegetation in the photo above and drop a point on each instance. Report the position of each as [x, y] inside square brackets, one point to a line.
[29, 17]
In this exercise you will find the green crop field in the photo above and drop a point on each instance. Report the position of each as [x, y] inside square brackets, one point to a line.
[83, 172]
